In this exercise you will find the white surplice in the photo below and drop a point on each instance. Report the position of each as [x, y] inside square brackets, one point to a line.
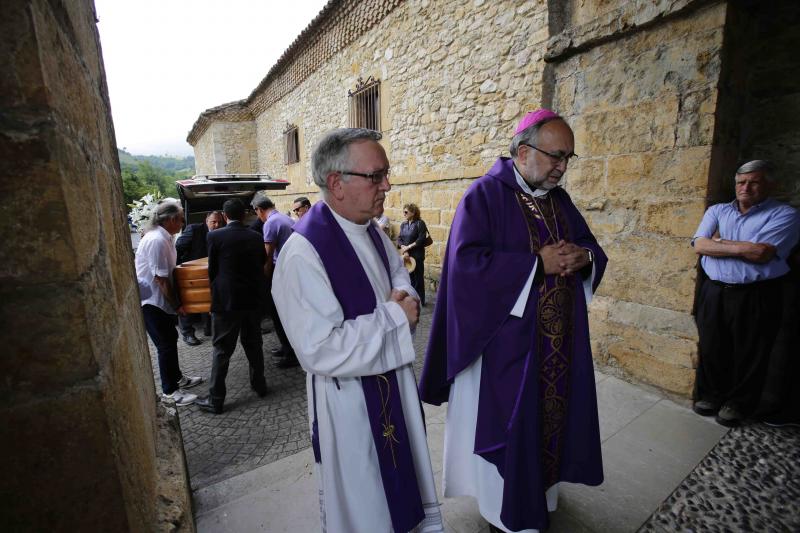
[336, 352]
[465, 473]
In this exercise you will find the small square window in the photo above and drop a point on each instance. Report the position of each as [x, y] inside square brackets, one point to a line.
[365, 104]
[291, 145]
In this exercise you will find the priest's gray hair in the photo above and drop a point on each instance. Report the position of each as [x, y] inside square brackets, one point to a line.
[166, 209]
[332, 153]
[529, 135]
[758, 165]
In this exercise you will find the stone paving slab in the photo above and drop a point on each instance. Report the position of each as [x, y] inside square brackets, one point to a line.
[640, 474]
[279, 497]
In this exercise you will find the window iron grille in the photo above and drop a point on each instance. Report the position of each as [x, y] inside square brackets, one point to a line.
[291, 144]
[365, 104]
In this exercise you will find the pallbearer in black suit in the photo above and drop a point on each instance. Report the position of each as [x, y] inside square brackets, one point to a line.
[236, 258]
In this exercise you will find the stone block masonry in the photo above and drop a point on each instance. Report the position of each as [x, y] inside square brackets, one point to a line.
[641, 105]
[653, 90]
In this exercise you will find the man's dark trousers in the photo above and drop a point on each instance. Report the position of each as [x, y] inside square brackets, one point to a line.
[737, 327]
[160, 327]
[186, 323]
[781, 395]
[227, 327]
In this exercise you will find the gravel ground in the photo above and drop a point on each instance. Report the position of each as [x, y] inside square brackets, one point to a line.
[750, 481]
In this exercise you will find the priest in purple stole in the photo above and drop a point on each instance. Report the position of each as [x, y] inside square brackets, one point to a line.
[349, 310]
[509, 346]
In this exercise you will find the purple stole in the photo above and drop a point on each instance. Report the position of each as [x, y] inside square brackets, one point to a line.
[381, 393]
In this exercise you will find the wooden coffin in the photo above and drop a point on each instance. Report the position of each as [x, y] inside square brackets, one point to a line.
[194, 286]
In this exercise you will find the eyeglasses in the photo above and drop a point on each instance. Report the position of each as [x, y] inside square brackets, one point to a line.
[376, 177]
[297, 209]
[557, 157]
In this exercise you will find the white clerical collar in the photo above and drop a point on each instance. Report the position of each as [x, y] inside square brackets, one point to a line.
[527, 188]
[348, 226]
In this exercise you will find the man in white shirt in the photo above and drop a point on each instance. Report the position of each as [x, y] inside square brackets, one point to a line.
[348, 308]
[155, 260]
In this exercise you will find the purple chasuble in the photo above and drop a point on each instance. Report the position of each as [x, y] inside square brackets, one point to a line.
[537, 411]
[354, 292]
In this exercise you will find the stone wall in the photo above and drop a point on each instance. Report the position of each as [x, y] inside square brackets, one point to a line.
[227, 148]
[235, 147]
[642, 106]
[654, 90]
[79, 438]
[454, 82]
[204, 154]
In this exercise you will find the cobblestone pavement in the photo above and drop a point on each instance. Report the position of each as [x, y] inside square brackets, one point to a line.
[750, 481]
[252, 431]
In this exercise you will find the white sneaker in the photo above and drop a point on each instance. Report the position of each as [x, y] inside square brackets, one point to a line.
[187, 382]
[180, 397]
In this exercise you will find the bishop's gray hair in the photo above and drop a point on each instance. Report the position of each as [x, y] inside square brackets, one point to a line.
[166, 209]
[332, 153]
[758, 165]
[528, 136]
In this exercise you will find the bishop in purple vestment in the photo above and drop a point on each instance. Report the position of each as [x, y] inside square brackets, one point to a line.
[509, 346]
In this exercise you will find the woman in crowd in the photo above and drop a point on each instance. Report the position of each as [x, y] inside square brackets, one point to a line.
[411, 241]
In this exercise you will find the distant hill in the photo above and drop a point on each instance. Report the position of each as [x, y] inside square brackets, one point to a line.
[143, 174]
[171, 164]
[125, 158]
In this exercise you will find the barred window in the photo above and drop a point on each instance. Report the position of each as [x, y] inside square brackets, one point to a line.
[291, 145]
[365, 104]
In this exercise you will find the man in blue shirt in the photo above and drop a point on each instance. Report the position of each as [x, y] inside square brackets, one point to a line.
[744, 246]
[276, 231]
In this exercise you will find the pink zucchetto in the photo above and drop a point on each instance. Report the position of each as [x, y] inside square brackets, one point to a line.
[533, 118]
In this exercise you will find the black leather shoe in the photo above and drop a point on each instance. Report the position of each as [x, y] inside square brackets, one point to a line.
[261, 391]
[191, 340]
[288, 361]
[705, 408]
[729, 416]
[780, 420]
[207, 404]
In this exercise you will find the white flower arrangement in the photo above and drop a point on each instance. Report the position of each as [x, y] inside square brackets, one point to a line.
[142, 211]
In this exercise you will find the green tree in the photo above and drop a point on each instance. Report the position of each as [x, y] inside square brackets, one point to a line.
[145, 174]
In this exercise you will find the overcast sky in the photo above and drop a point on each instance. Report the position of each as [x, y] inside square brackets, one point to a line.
[169, 60]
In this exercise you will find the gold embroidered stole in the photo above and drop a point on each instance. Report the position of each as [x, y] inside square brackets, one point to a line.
[546, 224]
